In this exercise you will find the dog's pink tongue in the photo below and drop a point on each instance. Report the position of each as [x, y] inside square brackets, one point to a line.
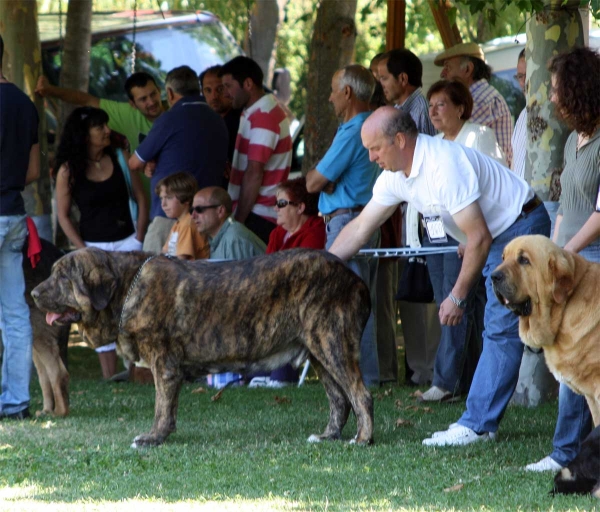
[50, 317]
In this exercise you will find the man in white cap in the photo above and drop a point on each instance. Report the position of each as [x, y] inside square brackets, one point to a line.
[466, 62]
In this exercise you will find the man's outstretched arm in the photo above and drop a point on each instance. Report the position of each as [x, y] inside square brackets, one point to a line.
[44, 88]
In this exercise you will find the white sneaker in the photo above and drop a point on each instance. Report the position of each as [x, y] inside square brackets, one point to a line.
[435, 394]
[491, 435]
[457, 436]
[259, 382]
[277, 384]
[546, 464]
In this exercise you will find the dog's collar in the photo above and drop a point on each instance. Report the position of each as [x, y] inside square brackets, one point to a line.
[133, 283]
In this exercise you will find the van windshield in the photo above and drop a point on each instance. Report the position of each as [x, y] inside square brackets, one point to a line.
[158, 50]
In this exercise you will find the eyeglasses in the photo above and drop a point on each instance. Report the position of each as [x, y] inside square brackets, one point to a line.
[520, 76]
[202, 209]
[282, 203]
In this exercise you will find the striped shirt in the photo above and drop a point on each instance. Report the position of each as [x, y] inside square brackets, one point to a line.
[519, 144]
[416, 105]
[263, 136]
[490, 109]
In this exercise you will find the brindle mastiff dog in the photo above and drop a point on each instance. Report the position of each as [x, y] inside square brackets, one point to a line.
[187, 319]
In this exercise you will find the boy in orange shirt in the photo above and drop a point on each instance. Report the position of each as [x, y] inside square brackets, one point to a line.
[176, 193]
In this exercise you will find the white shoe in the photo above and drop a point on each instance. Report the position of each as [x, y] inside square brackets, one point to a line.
[546, 464]
[259, 382]
[457, 436]
[277, 384]
[435, 394]
[491, 435]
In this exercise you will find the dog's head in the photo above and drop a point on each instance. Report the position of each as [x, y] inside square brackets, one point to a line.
[535, 272]
[80, 287]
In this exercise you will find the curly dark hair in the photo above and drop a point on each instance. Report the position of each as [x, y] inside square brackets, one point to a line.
[73, 146]
[577, 75]
[457, 92]
[296, 190]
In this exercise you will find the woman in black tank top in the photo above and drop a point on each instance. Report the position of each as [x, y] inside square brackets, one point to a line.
[92, 173]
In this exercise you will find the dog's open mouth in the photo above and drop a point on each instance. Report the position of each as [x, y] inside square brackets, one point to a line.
[66, 317]
[520, 308]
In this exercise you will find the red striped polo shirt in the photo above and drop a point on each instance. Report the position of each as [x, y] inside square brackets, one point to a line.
[263, 136]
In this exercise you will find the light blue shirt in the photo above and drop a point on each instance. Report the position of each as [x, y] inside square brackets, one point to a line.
[347, 163]
[234, 241]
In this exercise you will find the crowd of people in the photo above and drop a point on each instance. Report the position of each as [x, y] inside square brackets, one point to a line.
[209, 178]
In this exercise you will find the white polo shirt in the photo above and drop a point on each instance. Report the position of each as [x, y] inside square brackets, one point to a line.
[446, 177]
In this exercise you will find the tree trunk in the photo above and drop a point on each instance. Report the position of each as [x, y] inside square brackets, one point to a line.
[262, 31]
[556, 29]
[75, 70]
[331, 48]
[553, 31]
[23, 65]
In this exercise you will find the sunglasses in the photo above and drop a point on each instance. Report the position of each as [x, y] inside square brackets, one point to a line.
[202, 209]
[282, 203]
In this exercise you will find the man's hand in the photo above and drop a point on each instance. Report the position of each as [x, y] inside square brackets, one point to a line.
[450, 313]
[150, 168]
[330, 187]
[42, 86]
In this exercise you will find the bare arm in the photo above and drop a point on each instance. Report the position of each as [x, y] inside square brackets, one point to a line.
[63, 207]
[33, 170]
[142, 202]
[589, 232]
[479, 240]
[44, 88]
[251, 183]
[135, 163]
[359, 230]
[557, 227]
[315, 181]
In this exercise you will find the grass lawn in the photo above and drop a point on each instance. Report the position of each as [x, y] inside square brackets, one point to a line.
[248, 452]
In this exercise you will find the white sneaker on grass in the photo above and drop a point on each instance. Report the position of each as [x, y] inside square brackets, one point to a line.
[546, 464]
[435, 394]
[491, 435]
[456, 436]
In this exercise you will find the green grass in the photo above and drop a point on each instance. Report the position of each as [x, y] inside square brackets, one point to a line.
[248, 451]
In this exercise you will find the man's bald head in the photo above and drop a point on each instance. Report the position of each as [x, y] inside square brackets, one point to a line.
[390, 121]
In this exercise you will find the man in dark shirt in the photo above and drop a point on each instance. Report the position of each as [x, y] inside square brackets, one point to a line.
[19, 166]
[189, 137]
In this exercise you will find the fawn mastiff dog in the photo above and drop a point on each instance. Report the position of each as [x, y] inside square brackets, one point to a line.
[557, 297]
[186, 319]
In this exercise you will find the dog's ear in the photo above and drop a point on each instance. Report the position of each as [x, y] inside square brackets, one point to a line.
[96, 283]
[562, 273]
[101, 288]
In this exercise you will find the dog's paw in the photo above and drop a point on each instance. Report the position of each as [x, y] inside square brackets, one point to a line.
[145, 440]
[360, 442]
[313, 438]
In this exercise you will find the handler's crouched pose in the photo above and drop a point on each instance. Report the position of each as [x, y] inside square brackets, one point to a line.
[484, 206]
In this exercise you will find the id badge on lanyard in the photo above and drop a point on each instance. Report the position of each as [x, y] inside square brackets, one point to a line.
[434, 227]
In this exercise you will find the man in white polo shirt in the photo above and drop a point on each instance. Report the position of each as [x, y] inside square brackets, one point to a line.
[484, 206]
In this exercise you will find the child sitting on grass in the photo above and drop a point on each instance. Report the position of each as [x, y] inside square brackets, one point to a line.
[176, 193]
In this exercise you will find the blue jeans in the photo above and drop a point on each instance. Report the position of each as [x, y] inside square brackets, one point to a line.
[498, 368]
[369, 362]
[454, 341]
[14, 317]
[574, 420]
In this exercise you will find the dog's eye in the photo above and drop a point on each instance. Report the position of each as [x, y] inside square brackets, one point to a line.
[522, 260]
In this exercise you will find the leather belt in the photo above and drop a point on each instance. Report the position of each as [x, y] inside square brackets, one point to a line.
[531, 205]
[340, 211]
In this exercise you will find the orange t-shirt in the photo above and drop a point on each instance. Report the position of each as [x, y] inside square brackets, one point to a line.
[184, 240]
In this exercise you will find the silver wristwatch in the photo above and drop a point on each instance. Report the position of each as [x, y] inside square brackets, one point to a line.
[461, 303]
